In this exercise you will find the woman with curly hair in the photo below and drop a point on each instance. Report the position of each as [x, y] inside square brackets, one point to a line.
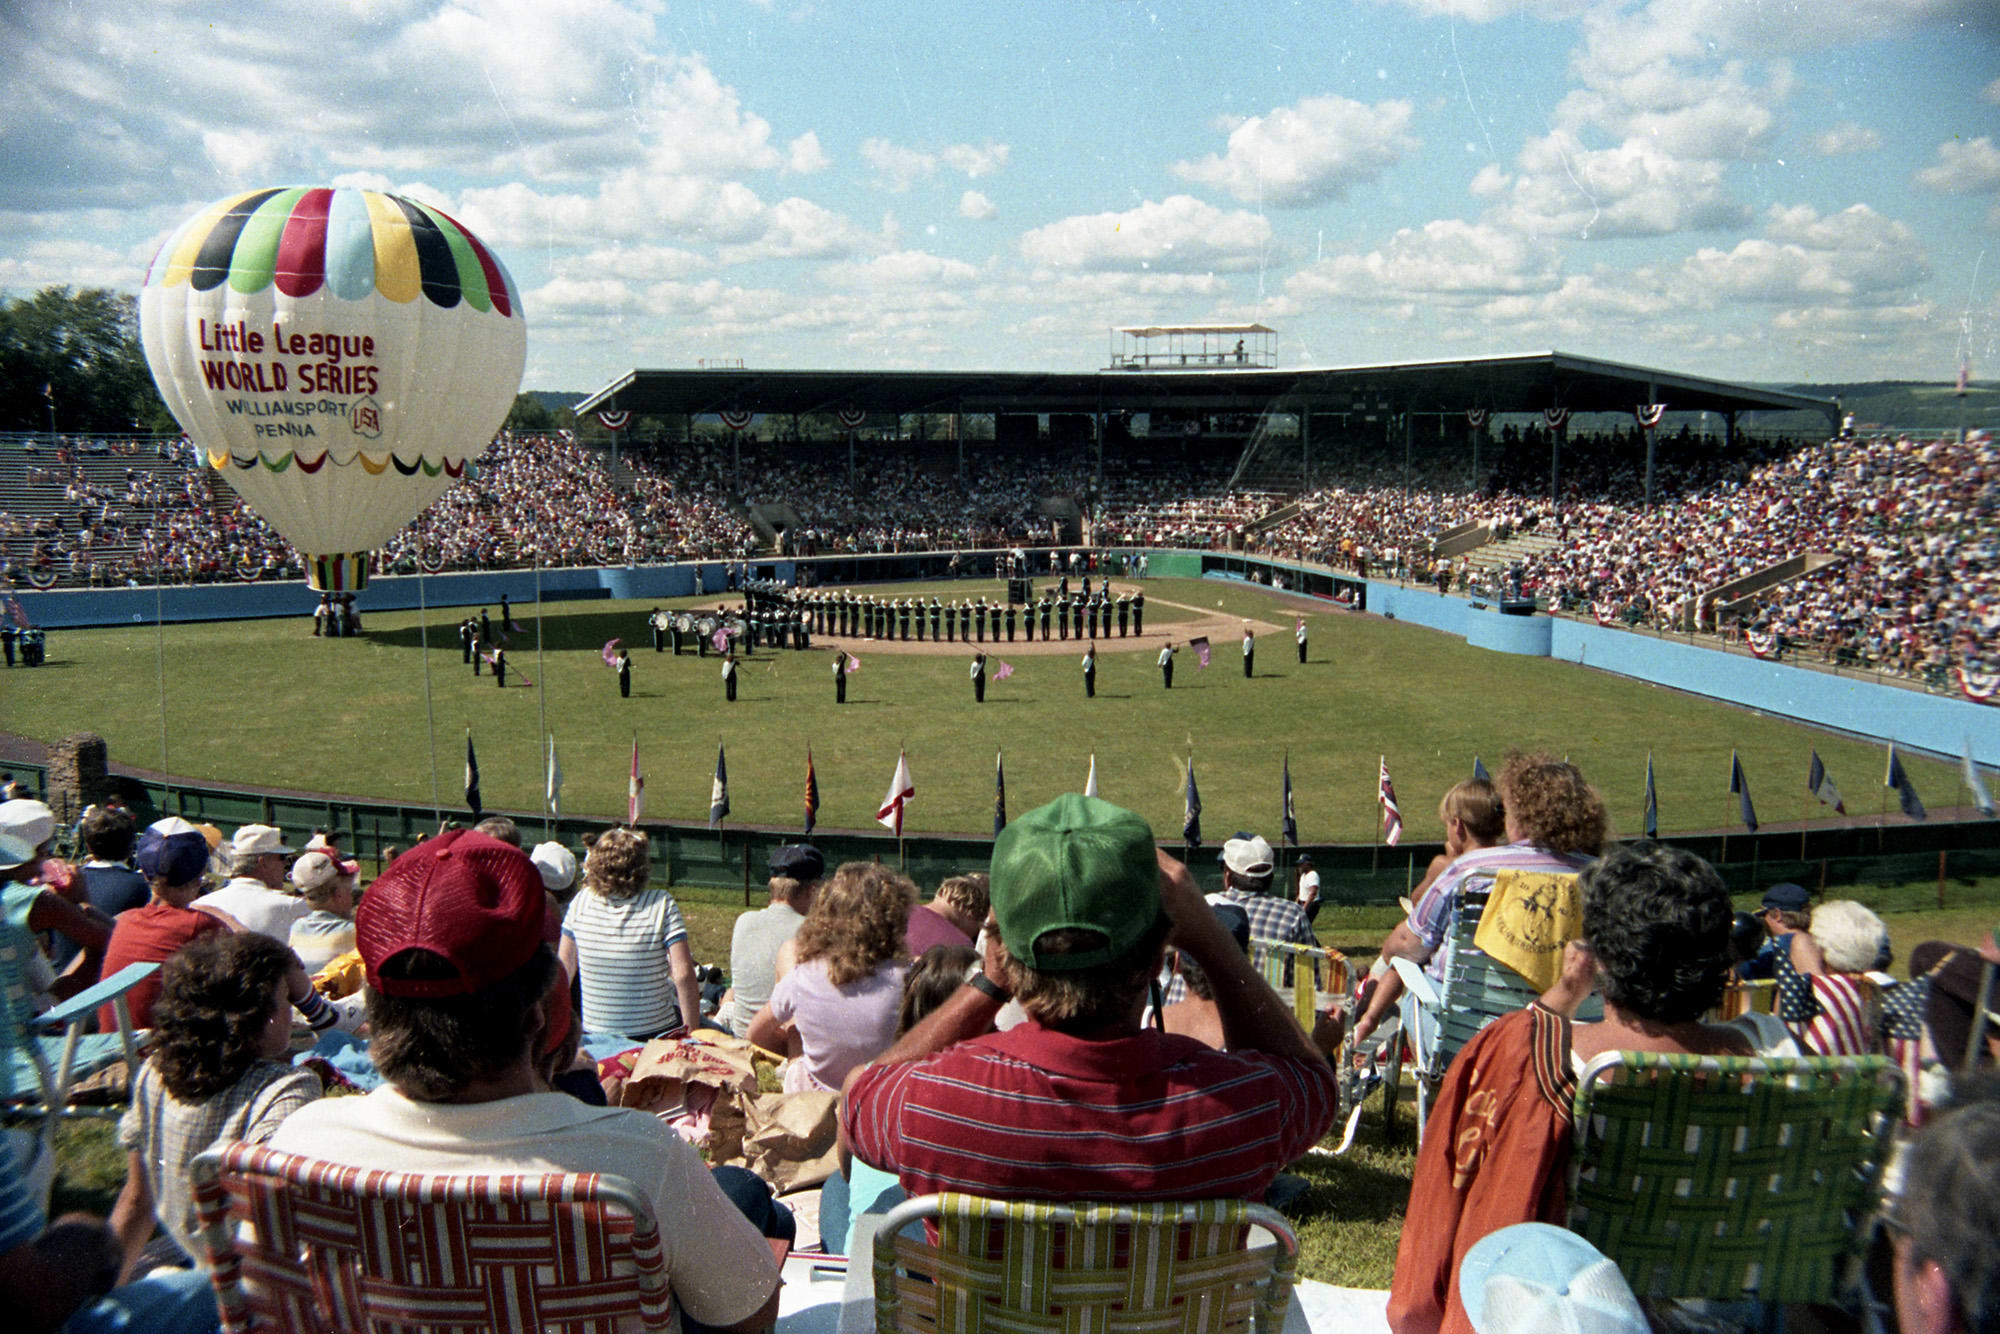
[217, 1074]
[842, 995]
[624, 940]
[1656, 925]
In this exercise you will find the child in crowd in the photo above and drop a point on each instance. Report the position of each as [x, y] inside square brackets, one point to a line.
[217, 1074]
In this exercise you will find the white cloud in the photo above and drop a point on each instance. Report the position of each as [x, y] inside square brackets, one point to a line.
[1842, 140]
[1676, 111]
[1179, 233]
[1445, 258]
[1313, 150]
[900, 269]
[804, 156]
[1564, 189]
[1991, 92]
[898, 167]
[1855, 257]
[800, 229]
[976, 206]
[1964, 167]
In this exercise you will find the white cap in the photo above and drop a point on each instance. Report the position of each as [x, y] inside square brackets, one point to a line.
[1533, 1278]
[254, 840]
[557, 865]
[314, 869]
[29, 820]
[1247, 856]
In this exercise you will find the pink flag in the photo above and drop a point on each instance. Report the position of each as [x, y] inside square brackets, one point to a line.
[1006, 670]
[610, 654]
[901, 789]
[1200, 646]
[720, 639]
[853, 664]
[635, 788]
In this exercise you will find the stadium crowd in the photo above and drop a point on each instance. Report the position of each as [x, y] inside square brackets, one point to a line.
[498, 1008]
[1907, 526]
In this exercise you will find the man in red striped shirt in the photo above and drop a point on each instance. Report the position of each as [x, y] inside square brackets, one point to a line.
[1080, 1102]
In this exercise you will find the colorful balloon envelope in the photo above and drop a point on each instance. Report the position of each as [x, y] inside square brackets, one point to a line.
[340, 356]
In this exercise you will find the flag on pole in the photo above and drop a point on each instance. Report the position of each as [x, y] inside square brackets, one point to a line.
[901, 789]
[609, 653]
[472, 802]
[1392, 814]
[1739, 786]
[1652, 801]
[1191, 809]
[1479, 773]
[1980, 796]
[1822, 786]
[552, 794]
[718, 789]
[853, 664]
[635, 788]
[999, 794]
[1200, 646]
[812, 792]
[1289, 821]
[1906, 792]
[1090, 779]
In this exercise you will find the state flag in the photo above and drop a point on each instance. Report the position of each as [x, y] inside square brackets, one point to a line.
[472, 800]
[1906, 792]
[901, 789]
[1821, 785]
[718, 790]
[1739, 787]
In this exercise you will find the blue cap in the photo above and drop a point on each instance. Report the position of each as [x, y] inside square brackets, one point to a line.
[175, 858]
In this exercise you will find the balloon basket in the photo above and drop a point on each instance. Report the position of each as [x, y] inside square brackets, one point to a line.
[342, 572]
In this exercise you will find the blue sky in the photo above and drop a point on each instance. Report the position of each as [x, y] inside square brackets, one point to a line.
[1740, 188]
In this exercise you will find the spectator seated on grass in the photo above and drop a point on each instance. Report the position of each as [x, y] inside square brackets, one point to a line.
[110, 885]
[1945, 1220]
[327, 931]
[758, 936]
[624, 939]
[257, 896]
[173, 856]
[218, 1073]
[843, 993]
[1838, 1012]
[1656, 923]
[468, 1006]
[1080, 1102]
[1198, 1016]
[952, 917]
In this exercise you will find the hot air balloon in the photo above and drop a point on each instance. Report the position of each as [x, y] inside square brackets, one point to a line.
[340, 356]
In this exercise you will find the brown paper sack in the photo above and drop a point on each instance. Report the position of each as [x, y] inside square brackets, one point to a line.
[790, 1138]
[715, 1063]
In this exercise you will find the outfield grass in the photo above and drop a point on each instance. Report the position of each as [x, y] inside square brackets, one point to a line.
[263, 703]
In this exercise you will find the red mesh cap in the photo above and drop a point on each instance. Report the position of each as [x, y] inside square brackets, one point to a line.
[473, 901]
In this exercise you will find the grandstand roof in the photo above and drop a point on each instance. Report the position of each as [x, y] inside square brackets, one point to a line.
[1500, 384]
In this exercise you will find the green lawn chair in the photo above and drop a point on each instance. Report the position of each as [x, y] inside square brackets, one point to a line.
[1731, 1178]
[1011, 1267]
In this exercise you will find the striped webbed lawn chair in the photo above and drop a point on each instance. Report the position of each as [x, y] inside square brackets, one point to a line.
[1013, 1267]
[1440, 1017]
[355, 1249]
[1731, 1178]
[1307, 978]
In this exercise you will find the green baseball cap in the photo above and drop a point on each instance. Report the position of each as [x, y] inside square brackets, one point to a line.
[1077, 862]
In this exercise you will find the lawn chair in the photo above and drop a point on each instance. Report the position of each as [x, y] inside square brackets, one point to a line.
[374, 1252]
[43, 1056]
[1010, 1267]
[1308, 979]
[1713, 1178]
[1440, 1019]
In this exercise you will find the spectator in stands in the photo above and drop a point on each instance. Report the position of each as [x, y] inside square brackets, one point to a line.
[463, 996]
[842, 995]
[1495, 1151]
[327, 931]
[217, 1074]
[1555, 822]
[625, 940]
[1945, 1221]
[1079, 1101]
[952, 917]
[757, 937]
[256, 894]
[1473, 818]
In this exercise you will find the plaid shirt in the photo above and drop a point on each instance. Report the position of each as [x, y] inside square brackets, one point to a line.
[1271, 918]
[168, 1133]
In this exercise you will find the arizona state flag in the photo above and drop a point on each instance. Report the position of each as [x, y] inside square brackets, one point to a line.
[812, 792]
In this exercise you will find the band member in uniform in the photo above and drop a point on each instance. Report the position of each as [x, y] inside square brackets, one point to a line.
[1042, 610]
[729, 674]
[840, 676]
[1090, 671]
[1249, 652]
[1010, 622]
[466, 633]
[1062, 616]
[1139, 612]
[499, 666]
[1300, 635]
[1124, 613]
[1167, 665]
[979, 678]
[658, 620]
[624, 666]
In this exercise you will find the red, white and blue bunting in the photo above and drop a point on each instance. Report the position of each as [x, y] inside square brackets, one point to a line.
[735, 419]
[1979, 687]
[1475, 417]
[1604, 612]
[1763, 645]
[1648, 414]
[615, 419]
[1555, 418]
[850, 418]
